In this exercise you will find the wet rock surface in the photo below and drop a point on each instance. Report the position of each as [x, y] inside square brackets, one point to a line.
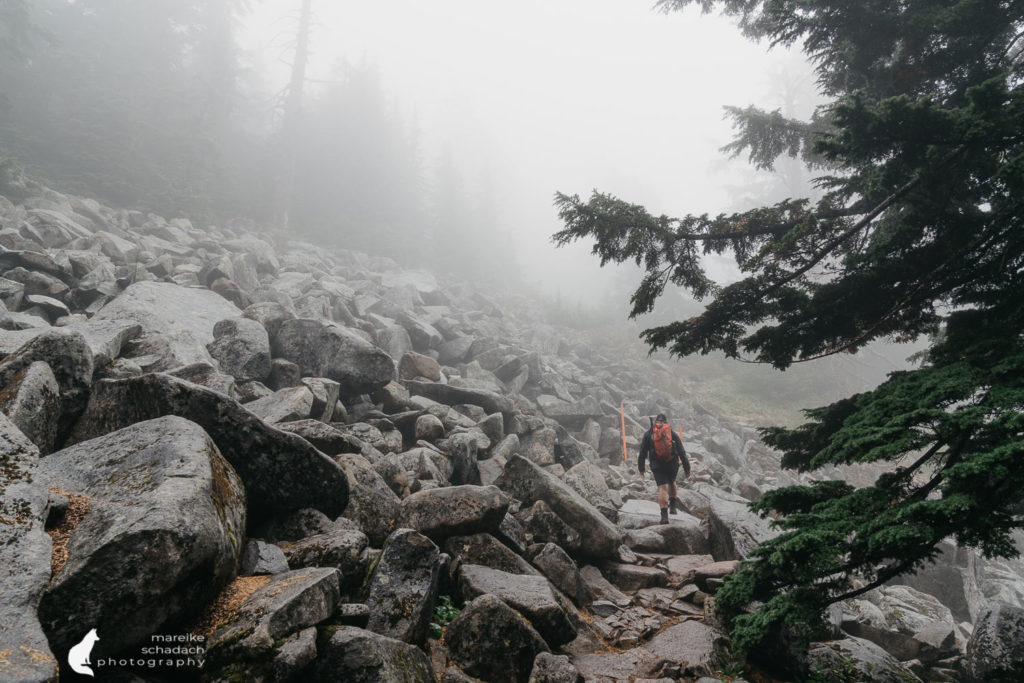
[390, 438]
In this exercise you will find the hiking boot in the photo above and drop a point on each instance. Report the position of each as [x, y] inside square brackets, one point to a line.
[672, 506]
[664, 515]
[677, 504]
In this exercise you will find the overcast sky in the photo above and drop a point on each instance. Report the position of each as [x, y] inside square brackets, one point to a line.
[546, 95]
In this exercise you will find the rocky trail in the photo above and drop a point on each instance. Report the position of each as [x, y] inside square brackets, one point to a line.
[256, 459]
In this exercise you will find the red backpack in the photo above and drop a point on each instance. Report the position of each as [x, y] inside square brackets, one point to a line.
[663, 442]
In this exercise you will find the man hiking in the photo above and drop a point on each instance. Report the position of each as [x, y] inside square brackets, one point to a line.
[665, 451]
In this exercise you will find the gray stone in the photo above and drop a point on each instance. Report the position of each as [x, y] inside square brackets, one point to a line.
[454, 511]
[325, 397]
[735, 530]
[262, 558]
[414, 365]
[428, 428]
[490, 641]
[404, 586]
[549, 668]
[699, 645]
[355, 655]
[325, 349]
[560, 569]
[281, 471]
[248, 641]
[859, 660]
[341, 549]
[270, 314]
[283, 374]
[372, 505]
[324, 437]
[529, 483]
[488, 551]
[294, 526]
[542, 525]
[528, 594]
[242, 348]
[996, 648]
[284, 405]
[181, 319]
[451, 395]
[25, 554]
[161, 535]
[32, 402]
[70, 360]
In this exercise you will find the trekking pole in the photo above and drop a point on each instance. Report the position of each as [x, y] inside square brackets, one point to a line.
[622, 416]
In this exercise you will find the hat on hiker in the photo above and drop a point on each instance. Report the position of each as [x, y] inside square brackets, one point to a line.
[661, 418]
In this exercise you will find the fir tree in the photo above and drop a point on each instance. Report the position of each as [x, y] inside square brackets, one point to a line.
[920, 157]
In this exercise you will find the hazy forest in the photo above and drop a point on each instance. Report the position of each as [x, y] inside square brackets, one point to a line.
[829, 269]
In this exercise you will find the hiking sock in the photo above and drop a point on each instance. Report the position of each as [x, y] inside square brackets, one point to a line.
[664, 515]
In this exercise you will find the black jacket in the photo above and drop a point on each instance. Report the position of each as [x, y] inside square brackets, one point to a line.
[647, 451]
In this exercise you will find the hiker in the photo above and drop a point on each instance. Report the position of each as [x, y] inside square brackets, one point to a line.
[665, 451]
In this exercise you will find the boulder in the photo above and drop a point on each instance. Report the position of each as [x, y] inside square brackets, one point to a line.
[25, 553]
[995, 651]
[454, 511]
[281, 471]
[549, 668]
[491, 641]
[542, 525]
[284, 405]
[529, 483]
[262, 558]
[325, 397]
[71, 361]
[242, 348]
[355, 655]
[587, 479]
[160, 534]
[270, 314]
[700, 646]
[528, 594]
[325, 349]
[414, 365]
[428, 428]
[571, 415]
[858, 660]
[734, 529]
[901, 614]
[452, 396]
[372, 505]
[563, 573]
[488, 551]
[341, 549]
[404, 586]
[247, 641]
[324, 437]
[32, 402]
[178, 320]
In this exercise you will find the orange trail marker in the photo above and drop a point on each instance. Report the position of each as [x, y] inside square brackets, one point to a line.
[622, 414]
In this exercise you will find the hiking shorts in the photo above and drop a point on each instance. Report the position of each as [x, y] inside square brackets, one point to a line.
[664, 473]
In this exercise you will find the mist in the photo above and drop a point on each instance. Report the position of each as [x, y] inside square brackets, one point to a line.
[568, 96]
[436, 134]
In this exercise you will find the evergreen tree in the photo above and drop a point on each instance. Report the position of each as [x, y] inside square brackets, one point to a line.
[920, 159]
[123, 100]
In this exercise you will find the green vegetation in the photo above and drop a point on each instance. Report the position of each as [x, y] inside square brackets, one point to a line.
[444, 612]
[917, 233]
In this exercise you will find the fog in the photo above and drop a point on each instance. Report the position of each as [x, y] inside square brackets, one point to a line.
[434, 133]
[542, 96]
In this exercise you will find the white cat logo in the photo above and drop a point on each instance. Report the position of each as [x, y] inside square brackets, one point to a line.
[78, 656]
